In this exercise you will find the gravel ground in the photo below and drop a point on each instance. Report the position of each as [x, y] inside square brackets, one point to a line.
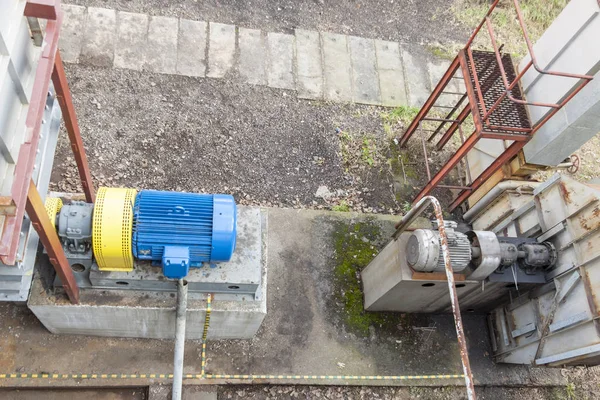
[399, 20]
[579, 390]
[262, 145]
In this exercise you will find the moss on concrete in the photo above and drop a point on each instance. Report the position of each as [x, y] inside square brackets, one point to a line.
[356, 244]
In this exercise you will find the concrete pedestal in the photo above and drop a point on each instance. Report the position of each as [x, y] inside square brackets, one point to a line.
[151, 314]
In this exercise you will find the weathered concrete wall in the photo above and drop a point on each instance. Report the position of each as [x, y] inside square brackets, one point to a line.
[148, 322]
[569, 45]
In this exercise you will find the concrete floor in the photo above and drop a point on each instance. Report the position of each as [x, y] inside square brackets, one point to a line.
[74, 394]
[306, 331]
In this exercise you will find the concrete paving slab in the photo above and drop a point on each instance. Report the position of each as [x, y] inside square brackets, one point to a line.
[132, 34]
[163, 392]
[253, 54]
[198, 393]
[391, 74]
[221, 49]
[436, 72]
[191, 48]
[388, 55]
[161, 51]
[365, 85]
[71, 32]
[337, 67]
[281, 60]
[100, 37]
[309, 67]
[393, 90]
[417, 78]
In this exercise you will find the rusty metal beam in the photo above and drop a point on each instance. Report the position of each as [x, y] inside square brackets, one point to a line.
[451, 163]
[452, 111]
[448, 134]
[430, 101]
[504, 136]
[45, 9]
[505, 157]
[49, 238]
[472, 107]
[482, 89]
[59, 79]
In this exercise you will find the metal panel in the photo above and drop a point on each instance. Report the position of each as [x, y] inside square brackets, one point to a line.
[14, 205]
[18, 62]
[28, 245]
[569, 216]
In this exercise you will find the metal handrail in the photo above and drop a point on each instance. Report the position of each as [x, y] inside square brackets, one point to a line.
[401, 226]
[533, 62]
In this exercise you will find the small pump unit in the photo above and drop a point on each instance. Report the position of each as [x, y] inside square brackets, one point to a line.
[480, 253]
[424, 250]
[172, 229]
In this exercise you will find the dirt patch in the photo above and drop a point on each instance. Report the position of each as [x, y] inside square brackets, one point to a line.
[366, 392]
[262, 145]
[398, 20]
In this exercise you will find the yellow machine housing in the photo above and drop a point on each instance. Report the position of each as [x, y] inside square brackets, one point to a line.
[112, 226]
[53, 206]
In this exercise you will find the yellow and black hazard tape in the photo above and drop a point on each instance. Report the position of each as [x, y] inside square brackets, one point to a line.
[337, 377]
[205, 333]
[91, 376]
[207, 318]
[204, 375]
[232, 377]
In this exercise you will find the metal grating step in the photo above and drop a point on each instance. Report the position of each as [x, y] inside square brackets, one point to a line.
[508, 114]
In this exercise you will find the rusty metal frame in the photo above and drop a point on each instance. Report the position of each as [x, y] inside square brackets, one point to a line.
[401, 226]
[63, 94]
[49, 238]
[480, 112]
[9, 241]
[24, 194]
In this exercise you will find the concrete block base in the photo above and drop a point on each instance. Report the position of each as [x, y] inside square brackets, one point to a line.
[148, 314]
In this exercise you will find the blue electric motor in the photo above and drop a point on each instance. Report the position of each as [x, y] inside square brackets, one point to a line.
[183, 230]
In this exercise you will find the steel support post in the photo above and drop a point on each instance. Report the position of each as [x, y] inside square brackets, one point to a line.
[61, 86]
[41, 222]
[9, 240]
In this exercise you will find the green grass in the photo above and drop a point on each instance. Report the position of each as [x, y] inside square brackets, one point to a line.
[570, 391]
[538, 15]
[402, 114]
[446, 52]
[397, 119]
[368, 151]
[342, 207]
